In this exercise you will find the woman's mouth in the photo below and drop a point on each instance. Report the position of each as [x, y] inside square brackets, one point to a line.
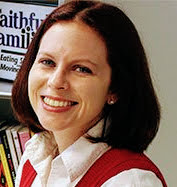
[57, 103]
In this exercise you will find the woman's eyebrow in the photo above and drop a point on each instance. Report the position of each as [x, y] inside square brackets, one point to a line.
[44, 53]
[77, 60]
[86, 60]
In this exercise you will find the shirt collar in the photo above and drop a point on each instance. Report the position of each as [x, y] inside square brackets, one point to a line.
[77, 158]
[40, 150]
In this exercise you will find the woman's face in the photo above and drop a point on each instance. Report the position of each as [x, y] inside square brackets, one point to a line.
[69, 80]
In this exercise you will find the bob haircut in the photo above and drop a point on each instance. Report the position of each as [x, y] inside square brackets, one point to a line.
[134, 119]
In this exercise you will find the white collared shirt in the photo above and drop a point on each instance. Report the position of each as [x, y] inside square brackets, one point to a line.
[66, 169]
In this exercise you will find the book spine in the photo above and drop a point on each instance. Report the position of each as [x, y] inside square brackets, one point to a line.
[5, 165]
[12, 149]
[8, 155]
[17, 145]
[2, 176]
[24, 137]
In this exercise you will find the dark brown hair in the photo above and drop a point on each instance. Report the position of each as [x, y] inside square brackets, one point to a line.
[134, 119]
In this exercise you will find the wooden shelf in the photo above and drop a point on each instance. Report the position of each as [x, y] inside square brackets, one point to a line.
[5, 90]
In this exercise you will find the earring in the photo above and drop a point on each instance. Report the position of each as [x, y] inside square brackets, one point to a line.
[111, 102]
[112, 99]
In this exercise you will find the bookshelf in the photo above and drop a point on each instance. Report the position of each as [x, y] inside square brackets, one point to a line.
[5, 114]
[13, 137]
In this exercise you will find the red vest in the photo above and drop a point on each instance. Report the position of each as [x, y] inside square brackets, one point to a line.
[108, 165]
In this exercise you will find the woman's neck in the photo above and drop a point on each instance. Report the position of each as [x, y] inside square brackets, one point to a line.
[65, 138]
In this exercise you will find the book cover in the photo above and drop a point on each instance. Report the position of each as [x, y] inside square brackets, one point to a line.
[19, 23]
[7, 152]
[5, 165]
[3, 182]
[12, 148]
[16, 140]
[24, 136]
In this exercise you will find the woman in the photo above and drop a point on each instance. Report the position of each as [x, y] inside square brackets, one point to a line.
[85, 86]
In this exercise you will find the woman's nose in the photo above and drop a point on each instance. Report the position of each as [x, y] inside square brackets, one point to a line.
[57, 79]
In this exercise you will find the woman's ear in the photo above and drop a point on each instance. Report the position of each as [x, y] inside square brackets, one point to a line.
[112, 98]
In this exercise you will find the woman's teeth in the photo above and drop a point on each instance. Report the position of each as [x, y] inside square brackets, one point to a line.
[56, 103]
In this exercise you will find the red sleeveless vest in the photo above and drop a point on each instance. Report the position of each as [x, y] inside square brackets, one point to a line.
[108, 165]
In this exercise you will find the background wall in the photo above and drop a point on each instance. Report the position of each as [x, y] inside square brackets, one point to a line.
[157, 25]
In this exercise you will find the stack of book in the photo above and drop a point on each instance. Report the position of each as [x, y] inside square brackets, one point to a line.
[13, 137]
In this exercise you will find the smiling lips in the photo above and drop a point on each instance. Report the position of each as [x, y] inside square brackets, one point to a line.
[58, 103]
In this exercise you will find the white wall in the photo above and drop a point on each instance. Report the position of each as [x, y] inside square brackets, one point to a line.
[156, 22]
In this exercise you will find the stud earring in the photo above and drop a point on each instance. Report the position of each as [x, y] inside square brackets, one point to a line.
[112, 99]
[111, 102]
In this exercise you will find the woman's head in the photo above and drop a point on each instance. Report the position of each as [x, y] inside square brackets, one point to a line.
[134, 118]
[73, 78]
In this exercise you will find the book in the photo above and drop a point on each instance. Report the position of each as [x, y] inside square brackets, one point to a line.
[24, 136]
[3, 181]
[7, 151]
[5, 165]
[12, 148]
[16, 140]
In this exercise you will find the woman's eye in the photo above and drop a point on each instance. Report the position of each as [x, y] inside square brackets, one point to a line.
[82, 69]
[48, 62]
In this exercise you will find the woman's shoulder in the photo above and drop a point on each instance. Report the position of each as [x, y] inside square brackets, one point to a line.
[40, 143]
[41, 137]
[38, 148]
[121, 167]
[134, 177]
